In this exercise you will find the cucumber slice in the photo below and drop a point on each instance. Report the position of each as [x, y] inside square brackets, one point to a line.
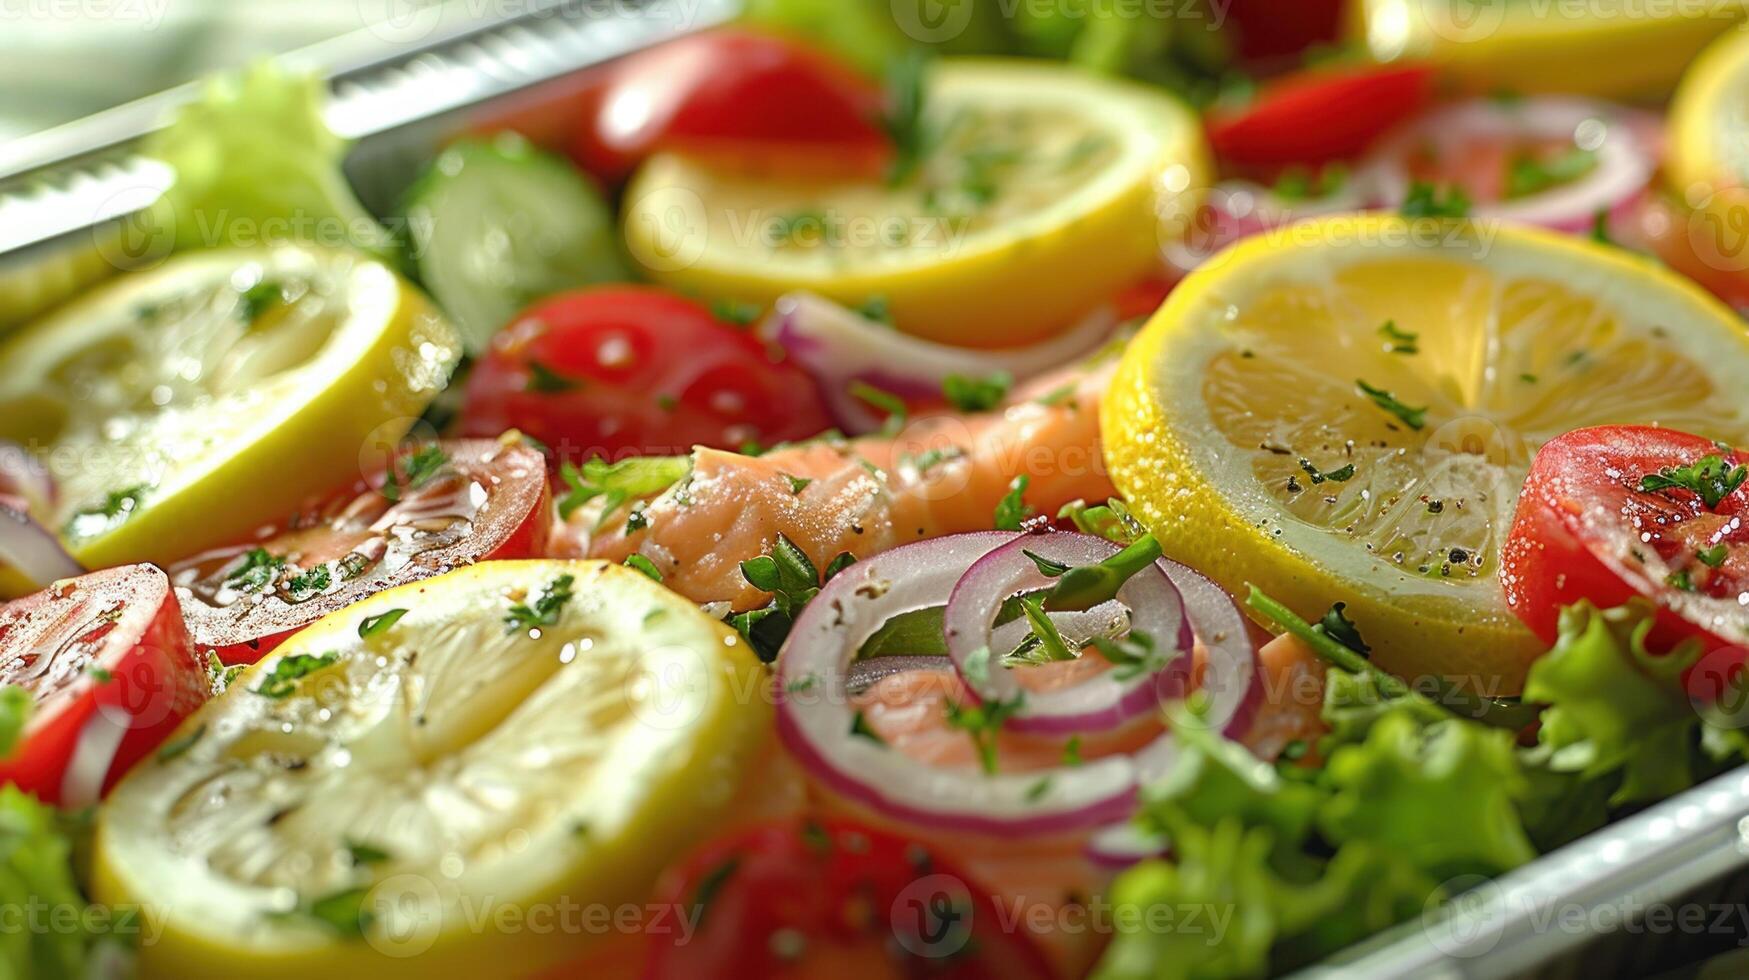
[498, 224]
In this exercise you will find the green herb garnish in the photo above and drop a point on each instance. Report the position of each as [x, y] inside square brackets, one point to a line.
[886, 401]
[545, 380]
[1712, 478]
[1399, 341]
[1425, 201]
[1414, 418]
[977, 394]
[644, 565]
[370, 626]
[983, 722]
[259, 570]
[546, 609]
[1011, 510]
[288, 671]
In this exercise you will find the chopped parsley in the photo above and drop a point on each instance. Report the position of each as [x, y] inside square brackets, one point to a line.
[886, 401]
[1047, 567]
[1527, 176]
[115, 511]
[1037, 790]
[259, 570]
[875, 308]
[1399, 341]
[1072, 751]
[1341, 474]
[1044, 644]
[1680, 579]
[1600, 227]
[360, 853]
[616, 483]
[317, 579]
[1011, 510]
[1337, 626]
[644, 565]
[983, 722]
[859, 728]
[283, 681]
[787, 573]
[545, 380]
[417, 470]
[1057, 396]
[1712, 478]
[260, 298]
[977, 394]
[100, 675]
[1425, 201]
[1300, 184]
[370, 626]
[342, 911]
[844, 560]
[904, 120]
[797, 484]
[735, 312]
[178, 746]
[546, 608]
[1712, 557]
[1414, 418]
[1131, 656]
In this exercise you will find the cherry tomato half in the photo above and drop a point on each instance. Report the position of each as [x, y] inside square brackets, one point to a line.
[111, 673]
[806, 899]
[617, 370]
[1591, 525]
[450, 503]
[1701, 245]
[1319, 114]
[737, 95]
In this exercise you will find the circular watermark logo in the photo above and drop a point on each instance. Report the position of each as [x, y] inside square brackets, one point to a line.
[1464, 21]
[675, 229]
[1466, 917]
[406, 915]
[141, 234]
[400, 21]
[932, 21]
[932, 917]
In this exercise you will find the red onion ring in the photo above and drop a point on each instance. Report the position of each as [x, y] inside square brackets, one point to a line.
[1234, 210]
[1627, 142]
[1232, 680]
[30, 549]
[838, 347]
[814, 715]
[1101, 702]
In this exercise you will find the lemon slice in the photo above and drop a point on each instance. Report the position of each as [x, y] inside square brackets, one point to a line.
[1044, 191]
[381, 805]
[1708, 165]
[183, 407]
[1600, 47]
[1345, 410]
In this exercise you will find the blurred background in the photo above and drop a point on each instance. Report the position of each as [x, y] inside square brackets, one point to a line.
[60, 61]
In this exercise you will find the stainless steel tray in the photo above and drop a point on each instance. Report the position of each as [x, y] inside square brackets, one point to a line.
[1621, 902]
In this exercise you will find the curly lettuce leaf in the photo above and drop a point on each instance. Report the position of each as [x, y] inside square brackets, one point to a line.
[36, 873]
[255, 163]
[1443, 795]
[1219, 909]
[1615, 706]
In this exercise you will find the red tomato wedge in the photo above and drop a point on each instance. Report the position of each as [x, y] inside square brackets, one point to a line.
[111, 672]
[449, 504]
[815, 899]
[620, 370]
[738, 96]
[1319, 115]
[1612, 512]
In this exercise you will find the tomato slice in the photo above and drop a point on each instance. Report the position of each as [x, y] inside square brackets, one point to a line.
[111, 672]
[1320, 114]
[810, 899]
[618, 370]
[1586, 529]
[736, 95]
[450, 503]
